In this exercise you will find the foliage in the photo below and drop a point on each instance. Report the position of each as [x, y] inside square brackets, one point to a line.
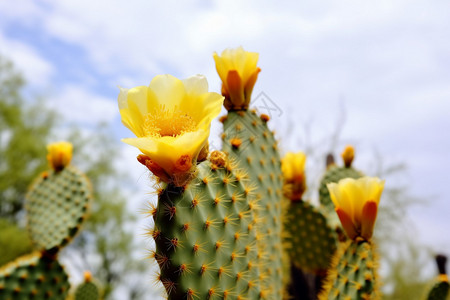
[25, 128]
[14, 242]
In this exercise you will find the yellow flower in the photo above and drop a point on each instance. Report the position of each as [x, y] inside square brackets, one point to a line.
[59, 155]
[348, 155]
[293, 168]
[171, 119]
[238, 71]
[356, 203]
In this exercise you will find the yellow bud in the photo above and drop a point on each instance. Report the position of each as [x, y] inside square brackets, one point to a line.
[293, 168]
[238, 71]
[59, 155]
[348, 155]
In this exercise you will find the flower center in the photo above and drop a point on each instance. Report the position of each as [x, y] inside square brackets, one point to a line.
[168, 123]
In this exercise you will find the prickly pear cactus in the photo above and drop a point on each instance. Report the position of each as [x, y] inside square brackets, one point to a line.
[441, 287]
[206, 237]
[88, 290]
[35, 276]
[352, 274]
[248, 140]
[57, 205]
[311, 242]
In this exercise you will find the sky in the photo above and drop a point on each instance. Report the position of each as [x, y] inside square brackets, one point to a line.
[383, 67]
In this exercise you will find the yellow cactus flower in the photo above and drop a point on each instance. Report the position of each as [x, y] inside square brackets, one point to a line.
[356, 203]
[348, 155]
[238, 71]
[59, 155]
[171, 119]
[293, 168]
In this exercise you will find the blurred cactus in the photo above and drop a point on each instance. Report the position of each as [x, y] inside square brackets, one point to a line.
[56, 207]
[34, 276]
[441, 287]
[88, 290]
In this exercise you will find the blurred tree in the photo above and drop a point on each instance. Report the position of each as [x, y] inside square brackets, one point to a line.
[104, 246]
[14, 242]
[23, 134]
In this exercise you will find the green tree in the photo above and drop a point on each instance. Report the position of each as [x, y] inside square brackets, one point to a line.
[24, 129]
[104, 246]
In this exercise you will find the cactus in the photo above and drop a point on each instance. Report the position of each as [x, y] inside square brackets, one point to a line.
[205, 234]
[87, 290]
[56, 205]
[352, 274]
[248, 140]
[308, 237]
[311, 241]
[34, 276]
[441, 287]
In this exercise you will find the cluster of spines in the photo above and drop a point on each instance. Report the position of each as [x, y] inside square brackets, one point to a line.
[352, 273]
[205, 235]
[247, 139]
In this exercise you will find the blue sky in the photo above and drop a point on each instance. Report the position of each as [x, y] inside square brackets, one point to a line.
[387, 64]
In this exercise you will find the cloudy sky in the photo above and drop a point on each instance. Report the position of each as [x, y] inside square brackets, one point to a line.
[385, 64]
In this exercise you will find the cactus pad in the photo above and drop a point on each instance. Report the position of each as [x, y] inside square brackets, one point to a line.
[35, 276]
[87, 291]
[205, 236]
[248, 140]
[311, 241]
[352, 274]
[57, 204]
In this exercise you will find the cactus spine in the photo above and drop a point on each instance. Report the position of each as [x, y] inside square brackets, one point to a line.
[248, 140]
[205, 234]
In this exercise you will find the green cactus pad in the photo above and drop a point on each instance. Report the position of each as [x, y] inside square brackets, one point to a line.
[206, 237]
[35, 276]
[249, 141]
[311, 241]
[441, 287]
[57, 205]
[439, 291]
[353, 273]
[87, 291]
[334, 174]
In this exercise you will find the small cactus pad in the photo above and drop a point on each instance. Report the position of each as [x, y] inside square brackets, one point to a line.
[441, 287]
[311, 241]
[88, 290]
[439, 291]
[205, 236]
[334, 174]
[248, 140]
[353, 273]
[34, 276]
[57, 204]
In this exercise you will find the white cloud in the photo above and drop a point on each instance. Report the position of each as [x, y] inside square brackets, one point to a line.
[36, 70]
[79, 105]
